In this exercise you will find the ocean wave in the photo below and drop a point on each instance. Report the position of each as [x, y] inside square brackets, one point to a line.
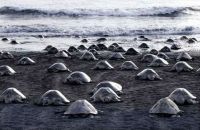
[94, 31]
[155, 11]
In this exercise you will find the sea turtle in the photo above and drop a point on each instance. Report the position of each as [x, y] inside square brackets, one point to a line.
[143, 38]
[106, 95]
[103, 65]
[73, 49]
[154, 52]
[111, 48]
[132, 51]
[120, 49]
[6, 55]
[102, 39]
[163, 55]
[82, 47]
[94, 52]
[143, 45]
[52, 50]
[48, 47]
[165, 49]
[93, 46]
[102, 46]
[129, 65]
[184, 56]
[26, 61]
[53, 97]
[148, 74]
[170, 40]
[181, 66]
[116, 87]
[148, 58]
[77, 77]
[88, 56]
[190, 40]
[12, 95]
[159, 62]
[175, 47]
[81, 108]
[165, 106]
[4, 39]
[183, 38]
[58, 67]
[14, 42]
[61, 54]
[182, 96]
[84, 40]
[6, 70]
[115, 44]
[117, 56]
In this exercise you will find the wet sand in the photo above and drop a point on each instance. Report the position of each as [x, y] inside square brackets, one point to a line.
[132, 113]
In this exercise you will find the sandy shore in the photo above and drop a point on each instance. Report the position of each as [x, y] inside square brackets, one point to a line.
[132, 113]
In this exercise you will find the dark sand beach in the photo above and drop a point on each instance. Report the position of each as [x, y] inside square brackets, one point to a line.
[132, 113]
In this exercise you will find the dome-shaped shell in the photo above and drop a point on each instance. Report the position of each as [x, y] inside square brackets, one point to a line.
[170, 40]
[148, 74]
[82, 47]
[143, 45]
[61, 54]
[182, 96]
[117, 56]
[165, 49]
[58, 67]
[52, 50]
[129, 65]
[154, 52]
[115, 44]
[111, 48]
[163, 55]
[88, 56]
[48, 47]
[102, 46]
[165, 106]
[6, 55]
[132, 51]
[113, 85]
[81, 107]
[6, 70]
[72, 49]
[159, 62]
[12, 95]
[184, 38]
[102, 39]
[94, 52]
[148, 58]
[53, 97]
[175, 47]
[4, 39]
[181, 66]
[184, 56]
[94, 47]
[14, 42]
[105, 94]
[77, 77]
[26, 61]
[120, 49]
[84, 40]
[190, 40]
[103, 65]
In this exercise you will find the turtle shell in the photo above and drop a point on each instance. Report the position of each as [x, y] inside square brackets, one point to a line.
[58, 67]
[181, 66]
[148, 58]
[159, 62]
[165, 49]
[61, 54]
[132, 51]
[143, 45]
[6, 55]
[184, 56]
[163, 55]
[88, 56]
[116, 56]
[148, 74]
[129, 65]
[26, 61]
[6, 70]
[103, 65]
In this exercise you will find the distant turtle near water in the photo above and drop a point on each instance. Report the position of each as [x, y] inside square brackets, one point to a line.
[143, 46]
[116, 45]
[183, 38]
[77, 78]
[116, 56]
[12, 95]
[14, 42]
[165, 107]
[116, 87]
[52, 50]
[88, 56]
[53, 97]
[6, 55]
[129, 65]
[6, 70]
[4, 39]
[190, 41]
[48, 47]
[26, 61]
[154, 52]
[148, 58]
[143, 38]
[182, 66]
[165, 49]
[184, 56]
[82, 47]
[175, 47]
[163, 55]
[105, 95]
[81, 108]
[103, 39]
[170, 40]
[132, 51]
[73, 49]
[103, 65]
[61, 54]
[84, 40]
[58, 67]
[159, 62]
[111, 48]
[182, 96]
[148, 74]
